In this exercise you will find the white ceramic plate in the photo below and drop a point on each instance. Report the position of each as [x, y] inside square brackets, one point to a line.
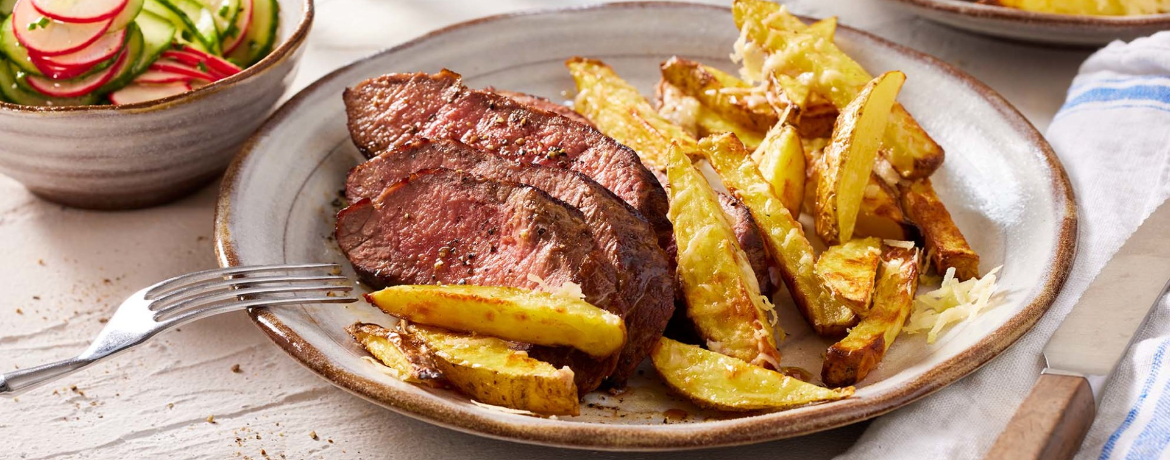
[1057, 29]
[1001, 180]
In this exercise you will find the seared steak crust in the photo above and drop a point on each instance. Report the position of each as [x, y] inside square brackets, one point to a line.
[748, 234]
[624, 237]
[546, 105]
[393, 109]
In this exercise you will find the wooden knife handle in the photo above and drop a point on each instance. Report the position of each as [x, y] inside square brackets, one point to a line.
[1050, 424]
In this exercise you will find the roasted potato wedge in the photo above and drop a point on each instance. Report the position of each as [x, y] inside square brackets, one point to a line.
[881, 210]
[489, 370]
[621, 112]
[787, 245]
[847, 162]
[851, 359]
[944, 242]
[722, 382]
[722, 93]
[1084, 7]
[722, 294]
[509, 313]
[848, 270]
[404, 361]
[771, 30]
[696, 119]
[781, 161]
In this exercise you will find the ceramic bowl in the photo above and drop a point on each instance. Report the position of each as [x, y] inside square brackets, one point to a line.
[1054, 29]
[279, 200]
[138, 155]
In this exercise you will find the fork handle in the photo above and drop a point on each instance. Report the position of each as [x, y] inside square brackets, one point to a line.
[15, 382]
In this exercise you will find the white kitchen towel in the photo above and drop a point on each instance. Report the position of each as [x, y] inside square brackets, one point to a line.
[1113, 136]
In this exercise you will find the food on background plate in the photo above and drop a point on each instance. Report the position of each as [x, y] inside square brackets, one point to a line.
[531, 255]
[1088, 7]
[68, 53]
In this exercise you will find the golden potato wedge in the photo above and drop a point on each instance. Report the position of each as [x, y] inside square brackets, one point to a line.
[945, 243]
[404, 361]
[817, 119]
[851, 359]
[1084, 7]
[622, 113]
[697, 119]
[515, 314]
[488, 370]
[717, 91]
[781, 161]
[722, 382]
[787, 245]
[771, 30]
[825, 28]
[847, 162]
[722, 294]
[881, 210]
[848, 271]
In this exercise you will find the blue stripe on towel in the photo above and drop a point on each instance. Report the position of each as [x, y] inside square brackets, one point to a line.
[1153, 439]
[1132, 94]
[1094, 82]
[1156, 366]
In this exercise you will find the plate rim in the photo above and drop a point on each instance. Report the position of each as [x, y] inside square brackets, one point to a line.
[976, 10]
[731, 432]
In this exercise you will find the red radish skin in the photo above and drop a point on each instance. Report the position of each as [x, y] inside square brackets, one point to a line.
[243, 22]
[56, 88]
[60, 73]
[160, 76]
[55, 38]
[104, 48]
[214, 63]
[79, 11]
[142, 92]
[183, 57]
[168, 65]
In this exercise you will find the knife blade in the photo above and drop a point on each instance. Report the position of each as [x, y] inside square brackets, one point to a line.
[1084, 351]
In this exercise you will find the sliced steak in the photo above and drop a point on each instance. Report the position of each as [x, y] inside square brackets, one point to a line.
[748, 234]
[445, 227]
[546, 105]
[644, 280]
[393, 109]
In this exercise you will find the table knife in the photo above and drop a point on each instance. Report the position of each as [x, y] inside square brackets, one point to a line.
[1081, 356]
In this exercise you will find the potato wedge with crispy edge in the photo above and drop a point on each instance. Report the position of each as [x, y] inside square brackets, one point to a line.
[721, 382]
[1082, 7]
[696, 119]
[711, 88]
[781, 161]
[944, 242]
[404, 361]
[847, 162]
[787, 245]
[723, 297]
[838, 77]
[488, 370]
[515, 314]
[620, 111]
[848, 271]
[851, 359]
[881, 210]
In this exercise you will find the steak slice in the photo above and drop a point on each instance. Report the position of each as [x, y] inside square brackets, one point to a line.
[445, 227]
[748, 235]
[544, 104]
[644, 280]
[393, 109]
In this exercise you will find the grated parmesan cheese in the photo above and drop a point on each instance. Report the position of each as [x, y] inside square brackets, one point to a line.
[952, 302]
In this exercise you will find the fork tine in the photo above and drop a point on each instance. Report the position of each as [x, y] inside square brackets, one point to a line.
[220, 283]
[229, 271]
[199, 313]
[221, 296]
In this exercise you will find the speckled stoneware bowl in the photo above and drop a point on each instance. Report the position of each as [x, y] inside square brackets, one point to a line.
[137, 155]
[1001, 181]
[1054, 29]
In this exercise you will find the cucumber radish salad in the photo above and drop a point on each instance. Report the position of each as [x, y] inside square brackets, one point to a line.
[87, 52]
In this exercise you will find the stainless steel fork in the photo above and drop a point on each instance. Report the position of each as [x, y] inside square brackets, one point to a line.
[187, 298]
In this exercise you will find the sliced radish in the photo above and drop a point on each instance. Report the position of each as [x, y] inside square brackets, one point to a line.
[243, 22]
[142, 92]
[214, 63]
[161, 76]
[104, 48]
[183, 56]
[75, 88]
[53, 38]
[79, 11]
[170, 65]
[61, 73]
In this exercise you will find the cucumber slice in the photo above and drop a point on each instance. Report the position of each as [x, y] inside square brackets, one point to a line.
[196, 24]
[129, 12]
[14, 50]
[6, 7]
[18, 95]
[224, 12]
[261, 35]
[135, 48]
[157, 36]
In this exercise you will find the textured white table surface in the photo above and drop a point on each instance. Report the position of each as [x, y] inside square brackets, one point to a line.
[63, 271]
